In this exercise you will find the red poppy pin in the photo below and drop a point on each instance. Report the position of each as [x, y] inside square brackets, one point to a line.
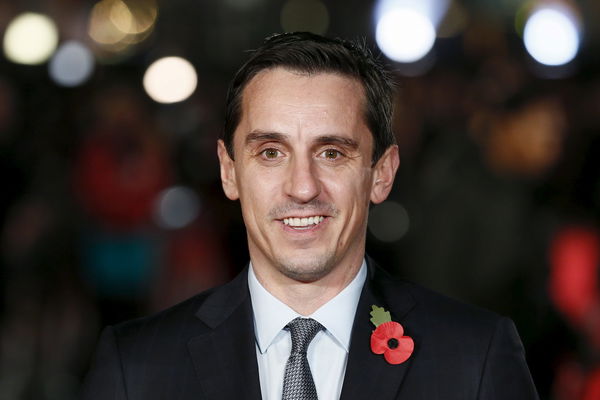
[388, 337]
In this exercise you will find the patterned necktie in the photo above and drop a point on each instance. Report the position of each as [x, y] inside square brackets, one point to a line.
[298, 383]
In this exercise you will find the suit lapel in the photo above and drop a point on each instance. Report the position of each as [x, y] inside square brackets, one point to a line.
[368, 375]
[225, 356]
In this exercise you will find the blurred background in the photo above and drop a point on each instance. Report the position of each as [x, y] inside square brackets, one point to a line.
[111, 205]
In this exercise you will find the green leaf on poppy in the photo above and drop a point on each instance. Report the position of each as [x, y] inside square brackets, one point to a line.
[379, 315]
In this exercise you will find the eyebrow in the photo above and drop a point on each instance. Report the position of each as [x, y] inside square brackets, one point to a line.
[261, 136]
[339, 140]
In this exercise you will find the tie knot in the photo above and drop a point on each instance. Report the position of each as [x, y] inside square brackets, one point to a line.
[303, 330]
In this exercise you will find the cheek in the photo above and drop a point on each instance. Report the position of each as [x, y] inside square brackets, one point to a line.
[257, 192]
[355, 181]
[351, 195]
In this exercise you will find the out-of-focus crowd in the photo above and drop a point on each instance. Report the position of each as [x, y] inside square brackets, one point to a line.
[111, 205]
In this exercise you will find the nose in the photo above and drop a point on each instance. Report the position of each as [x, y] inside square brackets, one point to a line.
[302, 183]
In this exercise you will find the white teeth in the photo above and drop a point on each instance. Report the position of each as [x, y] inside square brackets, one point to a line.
[303, 222]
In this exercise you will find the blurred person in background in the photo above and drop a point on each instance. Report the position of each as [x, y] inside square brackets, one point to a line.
[480, 214]
[574, 277]
[307, 147]
[45, 320]
[120, 168]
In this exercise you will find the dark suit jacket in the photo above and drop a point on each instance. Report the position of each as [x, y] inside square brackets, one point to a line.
[204, 348]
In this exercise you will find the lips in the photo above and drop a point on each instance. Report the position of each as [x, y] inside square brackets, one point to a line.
[302, 222]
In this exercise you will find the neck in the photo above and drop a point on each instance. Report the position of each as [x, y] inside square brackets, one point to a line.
[307, 297]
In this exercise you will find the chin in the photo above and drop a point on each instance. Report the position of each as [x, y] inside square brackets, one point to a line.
[308, 269]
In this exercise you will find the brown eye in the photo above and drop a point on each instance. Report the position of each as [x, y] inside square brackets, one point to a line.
[331, 154]
[270, 153]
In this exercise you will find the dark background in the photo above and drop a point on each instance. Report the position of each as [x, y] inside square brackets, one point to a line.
[496, 202]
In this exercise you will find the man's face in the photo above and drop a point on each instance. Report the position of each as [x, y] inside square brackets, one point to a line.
[303, 173]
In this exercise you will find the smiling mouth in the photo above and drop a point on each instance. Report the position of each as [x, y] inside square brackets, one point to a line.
[303, 222]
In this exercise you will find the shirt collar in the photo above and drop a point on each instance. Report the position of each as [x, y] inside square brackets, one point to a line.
[272, 315]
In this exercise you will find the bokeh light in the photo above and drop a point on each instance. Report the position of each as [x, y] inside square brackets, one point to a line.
[72, 64]
[134, 17]
[170, 80]
[176, 207]
[551, 35]
[101, 27]
[434, 10]
[388, 221]
[405, 35]
[305, 15]
[30, 39]
[116, 25]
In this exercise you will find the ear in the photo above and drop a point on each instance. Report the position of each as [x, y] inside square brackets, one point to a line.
[228, 177]
[383, 174]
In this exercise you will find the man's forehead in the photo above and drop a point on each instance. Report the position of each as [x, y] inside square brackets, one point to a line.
[282, 75]
[320, 92]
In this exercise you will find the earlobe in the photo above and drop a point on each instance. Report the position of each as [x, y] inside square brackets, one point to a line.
[228, 177]
[384, 174]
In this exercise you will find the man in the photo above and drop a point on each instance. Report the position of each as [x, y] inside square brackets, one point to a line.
[307, 146]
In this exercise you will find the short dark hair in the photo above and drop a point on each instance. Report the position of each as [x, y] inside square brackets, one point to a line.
[310, 53]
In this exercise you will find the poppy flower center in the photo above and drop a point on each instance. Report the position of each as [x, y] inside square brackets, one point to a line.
[392, 343]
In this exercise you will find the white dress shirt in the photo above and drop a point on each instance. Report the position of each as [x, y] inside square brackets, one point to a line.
[328, 352]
